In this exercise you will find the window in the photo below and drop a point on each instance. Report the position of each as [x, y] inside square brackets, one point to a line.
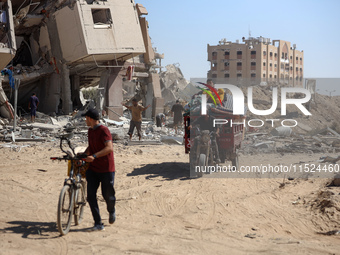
[226, 63]
[227, 53]
[239, 52]
[275, 55]
[226, 75]
[270, 76]
[264, 63]
[297, 58]
[264, 53]
[239, 63]
[300, 59]
[297, 69]
[101, 18]
[264, 75]
[253, 63]
[300, 69]
[253, 75]
[239, 75]
[270, 64]
[214, 75]
[253, 52]
[271, 54]
[214, 64]
[214, 54]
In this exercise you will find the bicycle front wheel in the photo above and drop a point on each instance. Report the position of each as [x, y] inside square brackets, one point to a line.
[79, 203]
[65, 209]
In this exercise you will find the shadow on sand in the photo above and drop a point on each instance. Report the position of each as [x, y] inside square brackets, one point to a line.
[38, 230]
[33, 230]
[167, 170]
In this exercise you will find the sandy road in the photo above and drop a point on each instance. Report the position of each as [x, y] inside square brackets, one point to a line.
[162, 211]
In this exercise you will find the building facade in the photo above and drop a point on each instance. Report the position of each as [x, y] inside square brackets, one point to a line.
[256, 61]
[56, 48]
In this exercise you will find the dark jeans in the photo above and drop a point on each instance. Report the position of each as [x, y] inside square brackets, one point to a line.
[138, 125]
[107, 185]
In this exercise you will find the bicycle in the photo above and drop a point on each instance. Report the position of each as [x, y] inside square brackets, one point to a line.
[72, 198]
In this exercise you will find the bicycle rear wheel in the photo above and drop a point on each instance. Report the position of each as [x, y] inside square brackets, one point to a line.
[65, 209]
[80, 203]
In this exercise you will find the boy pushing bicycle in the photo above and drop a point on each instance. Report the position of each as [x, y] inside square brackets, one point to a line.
[101, 169]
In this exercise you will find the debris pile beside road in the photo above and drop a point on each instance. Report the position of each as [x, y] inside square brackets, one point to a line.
[322, 141]
[318, 133]
[47, 128]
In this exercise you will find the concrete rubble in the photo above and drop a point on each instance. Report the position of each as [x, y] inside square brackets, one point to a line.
[47, 129]
[174, 86]
[39, 52]
[306, 137]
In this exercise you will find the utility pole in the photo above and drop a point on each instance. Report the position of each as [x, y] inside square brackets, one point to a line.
[16, 88]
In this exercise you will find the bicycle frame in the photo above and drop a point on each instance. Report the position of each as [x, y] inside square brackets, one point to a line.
[72, 185]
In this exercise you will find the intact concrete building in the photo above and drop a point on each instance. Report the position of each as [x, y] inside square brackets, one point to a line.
[63, 46]
[256, 61]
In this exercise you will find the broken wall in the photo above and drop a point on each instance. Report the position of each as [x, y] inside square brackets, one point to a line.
[107, 30]
[172, 81]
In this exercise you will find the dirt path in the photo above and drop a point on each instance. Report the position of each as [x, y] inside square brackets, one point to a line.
[162, 211]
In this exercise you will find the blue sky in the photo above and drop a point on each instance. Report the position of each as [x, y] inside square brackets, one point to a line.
[182, 29]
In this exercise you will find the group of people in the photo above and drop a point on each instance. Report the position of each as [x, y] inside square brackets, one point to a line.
[100, 156]
[99, 152]
[136, 120]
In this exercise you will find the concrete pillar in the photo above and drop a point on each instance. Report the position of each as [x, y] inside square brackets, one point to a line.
[154, 96]
[114, 92]
[49, 93]
[149, 100]
[66, 90]
[75, 81]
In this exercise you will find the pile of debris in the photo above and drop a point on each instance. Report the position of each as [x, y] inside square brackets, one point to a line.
[316, 133]
[47, 128]
[284, 140]
[174, 86]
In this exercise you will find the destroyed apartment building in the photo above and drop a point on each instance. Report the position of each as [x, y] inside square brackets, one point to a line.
[55, 48]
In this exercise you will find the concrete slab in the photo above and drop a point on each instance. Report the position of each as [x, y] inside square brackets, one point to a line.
[44, 126]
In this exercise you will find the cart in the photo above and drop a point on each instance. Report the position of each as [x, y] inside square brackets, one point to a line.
[230, 136]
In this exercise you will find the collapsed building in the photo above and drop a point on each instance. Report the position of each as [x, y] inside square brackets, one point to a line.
[55, 48]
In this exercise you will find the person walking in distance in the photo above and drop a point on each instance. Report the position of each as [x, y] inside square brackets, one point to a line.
[33, 105]
[101, 169]
[136, 121]
[176, 112]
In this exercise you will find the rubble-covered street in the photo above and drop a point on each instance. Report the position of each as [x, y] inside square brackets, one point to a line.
[61, 58]
[160, 209]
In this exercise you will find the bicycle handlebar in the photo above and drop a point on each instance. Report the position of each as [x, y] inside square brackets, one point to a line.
[66, 137]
